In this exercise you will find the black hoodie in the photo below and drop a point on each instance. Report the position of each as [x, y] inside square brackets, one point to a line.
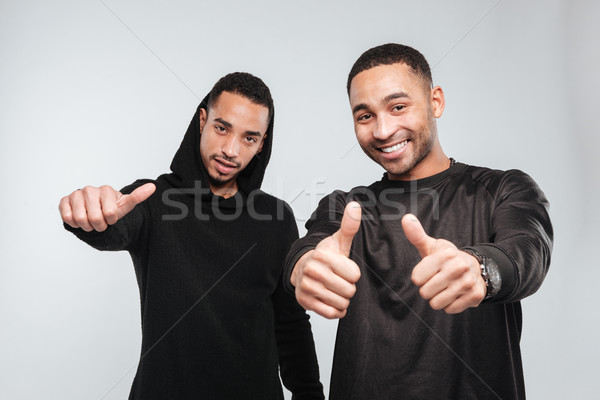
[216, 321]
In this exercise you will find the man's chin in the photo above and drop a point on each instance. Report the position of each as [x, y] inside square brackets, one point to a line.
[397, 167]
[220, 180]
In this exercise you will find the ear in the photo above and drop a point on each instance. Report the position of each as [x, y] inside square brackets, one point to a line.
[203, 118]
[438, 102]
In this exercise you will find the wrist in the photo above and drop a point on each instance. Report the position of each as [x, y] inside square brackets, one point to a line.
[295, 270]
[293, 275]
[489, 272]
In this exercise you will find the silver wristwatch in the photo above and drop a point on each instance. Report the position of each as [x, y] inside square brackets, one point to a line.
[489, 272]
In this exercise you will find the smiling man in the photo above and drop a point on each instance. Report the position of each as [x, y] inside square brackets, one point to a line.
[208, 250]
[426, 267]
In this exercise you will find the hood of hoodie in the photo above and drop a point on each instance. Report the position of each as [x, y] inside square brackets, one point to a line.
[187, 166]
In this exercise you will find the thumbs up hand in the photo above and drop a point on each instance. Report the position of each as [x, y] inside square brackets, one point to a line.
[94, 208]
[446, 276]
[325, 277]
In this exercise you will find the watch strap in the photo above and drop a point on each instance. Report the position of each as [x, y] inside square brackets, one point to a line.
[486, 265]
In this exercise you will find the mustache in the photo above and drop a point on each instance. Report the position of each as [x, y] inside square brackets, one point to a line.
[225, 158]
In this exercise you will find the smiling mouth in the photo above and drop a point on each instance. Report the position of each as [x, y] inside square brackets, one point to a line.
[394, 147]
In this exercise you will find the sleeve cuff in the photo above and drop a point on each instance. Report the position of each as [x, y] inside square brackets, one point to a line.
[506, 268]
[81, 234]
[299, 248]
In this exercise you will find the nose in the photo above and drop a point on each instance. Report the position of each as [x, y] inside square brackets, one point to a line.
[231, 147]
[384, 128]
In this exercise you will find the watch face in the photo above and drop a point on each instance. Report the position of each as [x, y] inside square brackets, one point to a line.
[494, 277]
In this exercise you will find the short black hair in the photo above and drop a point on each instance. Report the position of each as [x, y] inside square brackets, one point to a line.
[391, 53]
[246, 85]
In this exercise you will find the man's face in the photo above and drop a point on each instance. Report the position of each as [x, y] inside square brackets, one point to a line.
[394, 114]
[233, 131]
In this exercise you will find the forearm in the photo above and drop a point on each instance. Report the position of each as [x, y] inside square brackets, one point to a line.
[114, 238]
[522, 235]
[522, 268]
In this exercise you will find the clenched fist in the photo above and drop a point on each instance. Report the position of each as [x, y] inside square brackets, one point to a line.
[446, 276]
[325, 277]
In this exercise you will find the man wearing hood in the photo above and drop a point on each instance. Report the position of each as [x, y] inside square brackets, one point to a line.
[208, 247]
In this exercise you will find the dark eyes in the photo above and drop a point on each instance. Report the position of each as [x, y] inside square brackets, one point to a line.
[366, 117]
[248, 139]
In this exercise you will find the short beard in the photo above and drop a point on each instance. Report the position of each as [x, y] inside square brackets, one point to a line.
[218, 180]
[426, 150]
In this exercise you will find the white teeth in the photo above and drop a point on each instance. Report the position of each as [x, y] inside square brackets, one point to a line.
[395, 147]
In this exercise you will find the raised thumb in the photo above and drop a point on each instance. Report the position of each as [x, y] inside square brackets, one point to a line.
[348, 228]
[127, 202]
[416, 235]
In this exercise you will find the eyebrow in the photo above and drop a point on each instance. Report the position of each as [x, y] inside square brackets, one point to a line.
[222, 121]
[386, 99]
[358, 107]
[229, 125]
[397, 95]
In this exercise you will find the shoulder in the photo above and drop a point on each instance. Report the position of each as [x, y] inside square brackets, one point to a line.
[342, 197]
[265, 204]
[501, 183]
[490, 174]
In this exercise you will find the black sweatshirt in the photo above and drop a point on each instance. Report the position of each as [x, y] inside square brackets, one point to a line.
[216, 320]
[391, 344]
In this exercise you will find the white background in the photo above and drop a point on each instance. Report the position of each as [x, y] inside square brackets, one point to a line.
[101, 92]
